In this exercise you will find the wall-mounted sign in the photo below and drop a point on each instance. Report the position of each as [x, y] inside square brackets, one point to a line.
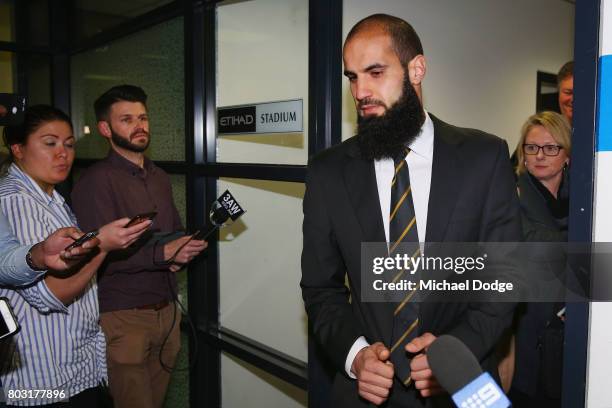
[268, 117]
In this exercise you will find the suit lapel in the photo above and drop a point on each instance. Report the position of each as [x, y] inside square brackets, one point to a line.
[446, 181]
[360, 180]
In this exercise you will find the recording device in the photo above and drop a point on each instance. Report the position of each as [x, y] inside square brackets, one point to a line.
[12, 108]
[224, 211]
[458, 372]
[82, 240]
[8, 323]
[140, 218]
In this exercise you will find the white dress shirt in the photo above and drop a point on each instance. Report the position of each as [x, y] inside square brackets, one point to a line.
[419, 163]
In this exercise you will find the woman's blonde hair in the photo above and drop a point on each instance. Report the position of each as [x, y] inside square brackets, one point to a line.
[556, 124]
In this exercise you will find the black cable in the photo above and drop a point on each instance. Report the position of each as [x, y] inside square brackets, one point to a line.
[194, 333]
[175, 299]
[170, 260]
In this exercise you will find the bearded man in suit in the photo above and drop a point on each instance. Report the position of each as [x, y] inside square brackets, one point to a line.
[458, 186]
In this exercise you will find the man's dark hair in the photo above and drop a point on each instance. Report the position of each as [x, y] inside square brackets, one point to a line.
[404, 40]
[128, 93]
[566, 71]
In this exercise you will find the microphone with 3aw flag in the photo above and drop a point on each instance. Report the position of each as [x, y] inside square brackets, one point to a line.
[224, 210]
[458, 372]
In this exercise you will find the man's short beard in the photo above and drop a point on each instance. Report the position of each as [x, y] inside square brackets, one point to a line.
[124, 143]
[385, 136]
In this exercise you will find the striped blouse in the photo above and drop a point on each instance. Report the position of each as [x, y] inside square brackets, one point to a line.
[59, 347]
[13, 267]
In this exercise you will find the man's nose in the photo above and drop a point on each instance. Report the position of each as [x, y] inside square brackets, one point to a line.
[362, 90]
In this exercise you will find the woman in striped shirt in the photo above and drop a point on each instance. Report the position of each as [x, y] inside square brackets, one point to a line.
[59, 354]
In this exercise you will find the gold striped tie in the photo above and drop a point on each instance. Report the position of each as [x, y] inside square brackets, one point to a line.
[402, 229]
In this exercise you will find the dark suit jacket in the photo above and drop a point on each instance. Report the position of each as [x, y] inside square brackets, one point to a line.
[533, 319]
[472, 198]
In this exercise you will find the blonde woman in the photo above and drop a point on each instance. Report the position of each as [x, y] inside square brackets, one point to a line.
[543, 159]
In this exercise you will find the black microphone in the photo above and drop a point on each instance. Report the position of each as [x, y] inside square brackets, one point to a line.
[224, 211]
[458, 372]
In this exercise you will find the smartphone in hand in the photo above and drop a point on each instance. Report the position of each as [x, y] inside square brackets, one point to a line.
[8, 322]
[141, 218]
[82, 240]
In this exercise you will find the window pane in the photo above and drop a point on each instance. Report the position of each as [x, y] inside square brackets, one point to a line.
[39, 79]
[7, 84]
[259, 261]
[179, 195]
[180, 200]
[263, 57]
[6, 22]
[93, 16]
[152, 59]
[7, 79]
[38, 13]
[246, 386]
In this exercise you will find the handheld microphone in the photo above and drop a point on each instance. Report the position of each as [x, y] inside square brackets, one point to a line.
[224, 211]
[458, 372]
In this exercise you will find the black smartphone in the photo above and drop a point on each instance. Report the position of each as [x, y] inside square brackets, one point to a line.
[12, 108]
[140, 218]
[82, 240]
[8, 322]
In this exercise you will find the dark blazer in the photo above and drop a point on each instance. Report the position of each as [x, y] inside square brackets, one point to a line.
[539, 225]
[537, 322]
[472, 198]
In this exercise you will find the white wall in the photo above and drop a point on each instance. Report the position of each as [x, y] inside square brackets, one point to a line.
[482, 56]
[600, 330]
[246, 386]
[263, 56]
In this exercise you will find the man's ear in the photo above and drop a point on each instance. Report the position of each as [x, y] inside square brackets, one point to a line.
[104, 129]
[16, 150]
[417, 68]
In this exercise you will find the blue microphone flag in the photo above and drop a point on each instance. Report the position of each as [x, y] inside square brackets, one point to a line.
[483, 392]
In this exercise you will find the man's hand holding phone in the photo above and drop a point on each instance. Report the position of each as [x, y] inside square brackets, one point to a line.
[117, 235]
[182, 250]
[141, 218]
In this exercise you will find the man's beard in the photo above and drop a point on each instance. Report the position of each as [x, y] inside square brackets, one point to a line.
[126, 144]
[387, 135]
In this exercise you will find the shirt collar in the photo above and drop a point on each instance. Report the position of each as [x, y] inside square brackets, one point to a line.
[123, 163]
[32, 186]
[422, 145]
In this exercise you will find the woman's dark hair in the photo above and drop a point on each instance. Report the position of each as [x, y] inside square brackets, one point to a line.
[34, 117]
